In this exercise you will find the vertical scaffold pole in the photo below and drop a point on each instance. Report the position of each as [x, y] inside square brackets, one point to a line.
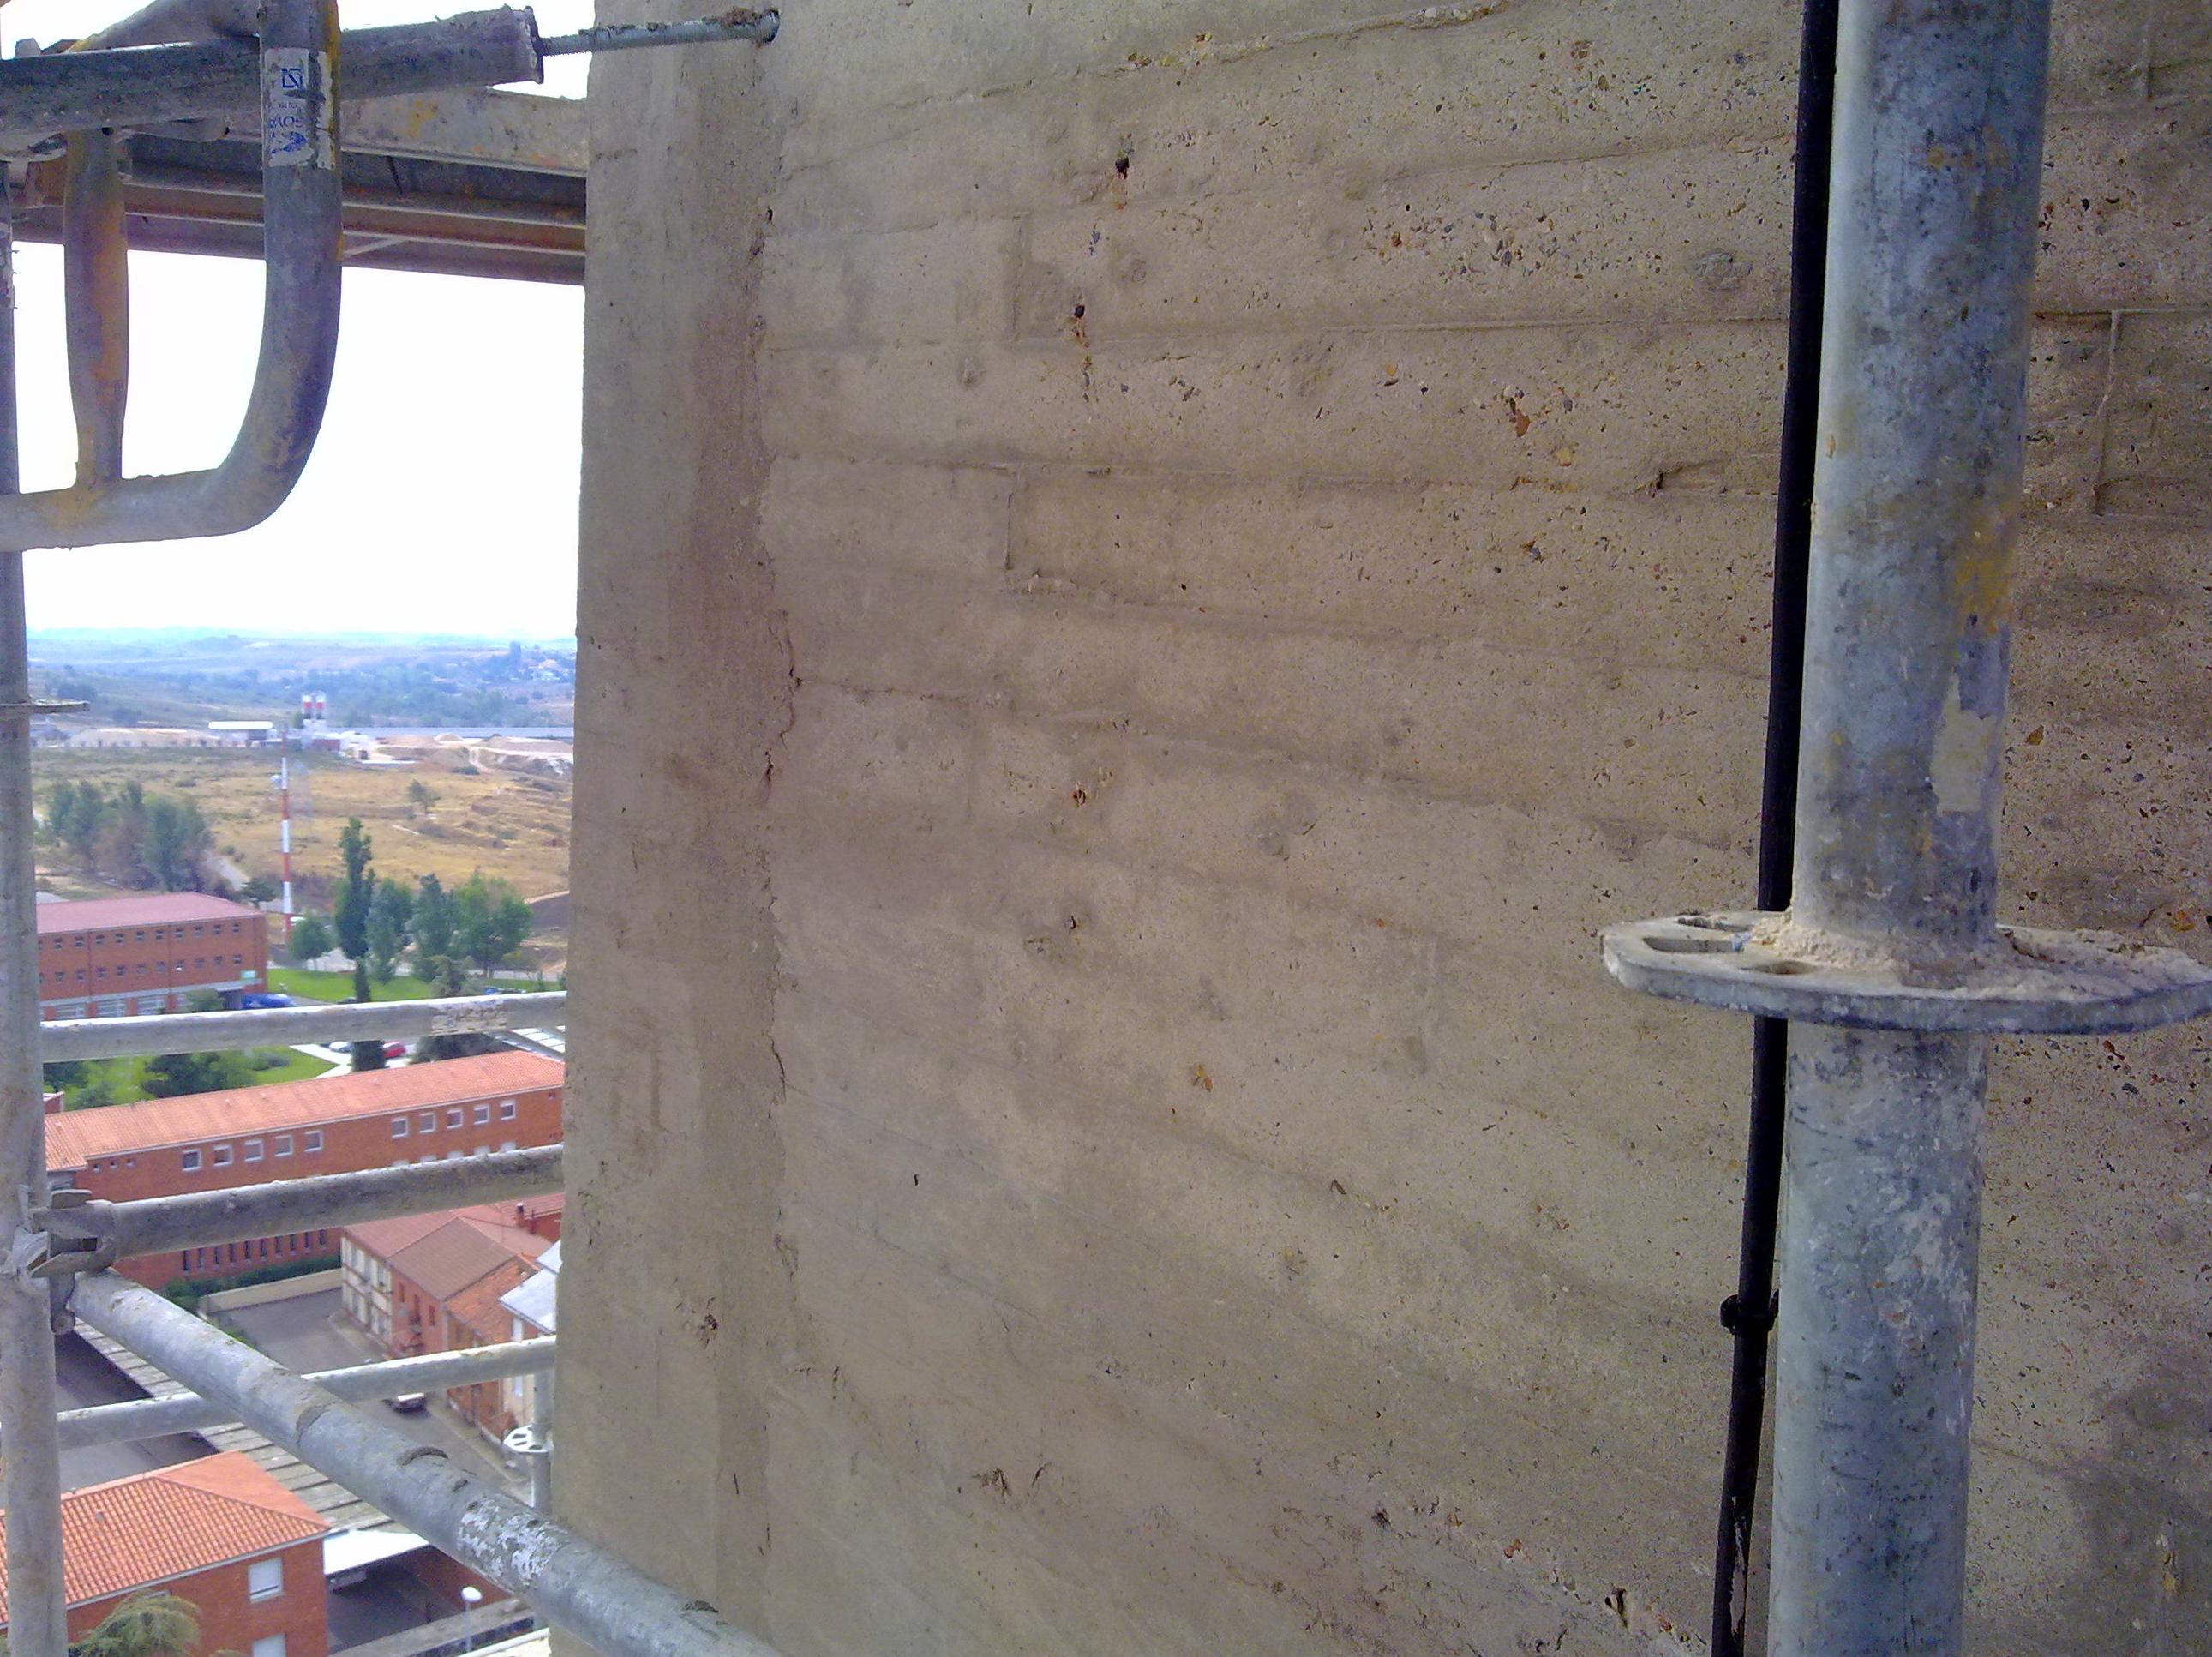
[1938, 143]
[36, 1602]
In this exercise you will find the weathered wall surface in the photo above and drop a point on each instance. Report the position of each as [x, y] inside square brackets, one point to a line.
[1153, 573]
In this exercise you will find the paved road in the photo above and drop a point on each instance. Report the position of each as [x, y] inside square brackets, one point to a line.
[85, 1379]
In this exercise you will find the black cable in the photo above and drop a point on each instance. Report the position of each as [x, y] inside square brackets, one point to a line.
[1749, 1313]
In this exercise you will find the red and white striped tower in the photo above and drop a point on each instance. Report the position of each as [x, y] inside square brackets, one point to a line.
[284, 824]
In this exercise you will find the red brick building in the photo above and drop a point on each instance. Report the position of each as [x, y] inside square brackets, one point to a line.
[432, 1283]
[328, 1124]
[220, 1532]
[112, 956]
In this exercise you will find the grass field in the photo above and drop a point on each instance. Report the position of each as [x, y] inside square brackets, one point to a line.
[124, 1078]
[339, 986]
[506, 822]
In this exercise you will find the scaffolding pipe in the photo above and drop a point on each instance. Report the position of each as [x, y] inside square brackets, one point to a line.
[186, 63]
[27, 1443]
[287, 1027]
[139, 86]
[741, 24]
[1938, 142]
[608, 1605]
[90, 1236]
[95, 281]
[297, 67]
[166, 20]
[360, 1383]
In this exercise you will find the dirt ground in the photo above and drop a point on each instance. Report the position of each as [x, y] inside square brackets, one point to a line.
[505, 822]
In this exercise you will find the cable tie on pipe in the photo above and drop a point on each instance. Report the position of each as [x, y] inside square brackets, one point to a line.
[1733, 1319]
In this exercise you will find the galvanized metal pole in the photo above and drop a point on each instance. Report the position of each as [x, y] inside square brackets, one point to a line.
[608, 1605]
[78, 1235]
[188, 1412]
[382, 1021]
[1890, 963]
[27, 1443]
[1938, 143]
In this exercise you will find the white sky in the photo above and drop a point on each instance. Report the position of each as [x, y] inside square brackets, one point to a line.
[442, 493]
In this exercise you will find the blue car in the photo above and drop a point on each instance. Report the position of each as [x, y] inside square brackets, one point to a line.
[251, 1001]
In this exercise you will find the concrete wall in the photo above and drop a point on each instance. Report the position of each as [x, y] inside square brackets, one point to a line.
[1153, 572]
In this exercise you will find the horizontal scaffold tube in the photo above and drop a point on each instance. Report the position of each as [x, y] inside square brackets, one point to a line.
[150, 85]
[89, 1236]
[188, 1412]
[285, 1027]
[605, 1603]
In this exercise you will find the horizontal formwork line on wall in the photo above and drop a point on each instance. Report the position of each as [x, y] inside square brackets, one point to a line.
[1176, 343]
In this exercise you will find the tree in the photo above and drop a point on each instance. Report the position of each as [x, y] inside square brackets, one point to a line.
[258, 889]
[388, 916]
[491, 920]
[421, 795]
[432, 924]
[356, 892]
[349, 915]
[176, 840]
[144, 1625]
[447, 980]
[75, 813]
[120, 852]
[312, 938]
[174, 1075]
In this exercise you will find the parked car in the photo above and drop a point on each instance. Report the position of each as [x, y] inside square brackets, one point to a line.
[411, 1404]
[261, 998]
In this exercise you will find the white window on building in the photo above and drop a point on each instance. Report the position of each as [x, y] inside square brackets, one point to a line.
[264, 1580]
[282, 1147]
[253, 1150]
[269, 1645]
[483, 1114]
[427, 1123]
[428, 1157]
[312, 1140]
[191, 1160]
[400, 1127]
[222, 1156]
[453, 1117]
[454, 1156]
[506, 1110]
[506, 1144]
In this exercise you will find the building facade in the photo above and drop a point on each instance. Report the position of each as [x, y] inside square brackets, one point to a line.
[461, 1107]
[109, 957]
[220, 1532]
[434, 1283]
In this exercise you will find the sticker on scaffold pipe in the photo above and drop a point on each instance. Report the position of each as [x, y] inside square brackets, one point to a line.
[293, 79]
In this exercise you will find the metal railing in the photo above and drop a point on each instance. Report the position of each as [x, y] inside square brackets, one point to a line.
[56, 1249]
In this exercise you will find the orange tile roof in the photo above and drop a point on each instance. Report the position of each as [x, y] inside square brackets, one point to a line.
[75, 1136]
[444, 1262]
[153, 909]
[385, 1238]
[477, 1307]
[155, 1526]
